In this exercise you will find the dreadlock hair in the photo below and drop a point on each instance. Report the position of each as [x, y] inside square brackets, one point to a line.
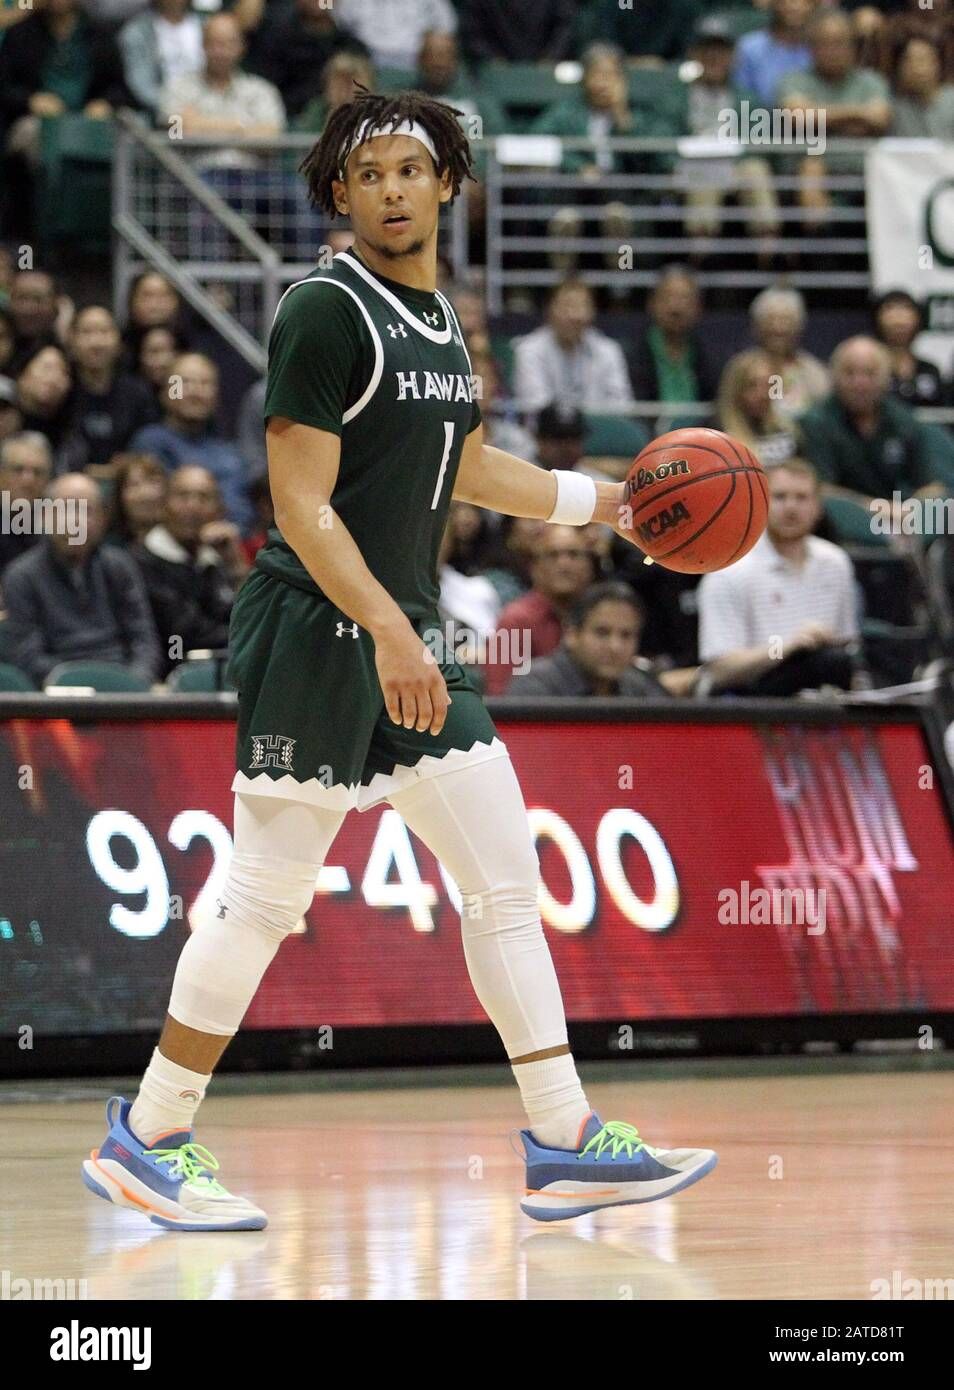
[322, 164]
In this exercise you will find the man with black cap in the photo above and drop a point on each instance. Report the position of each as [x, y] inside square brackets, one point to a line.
[560, 435]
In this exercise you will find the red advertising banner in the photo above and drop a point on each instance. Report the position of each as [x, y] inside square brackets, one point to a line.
[688, 870]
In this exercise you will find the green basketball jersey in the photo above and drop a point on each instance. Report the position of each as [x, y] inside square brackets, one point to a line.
[386, 368]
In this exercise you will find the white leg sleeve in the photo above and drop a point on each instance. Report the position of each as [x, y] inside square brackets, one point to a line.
[475, 821]
[279, 848]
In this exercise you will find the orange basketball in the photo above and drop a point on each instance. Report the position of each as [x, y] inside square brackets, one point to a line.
[698, 499]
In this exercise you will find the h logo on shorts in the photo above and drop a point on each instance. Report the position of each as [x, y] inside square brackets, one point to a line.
[342, 628]
[272, 750]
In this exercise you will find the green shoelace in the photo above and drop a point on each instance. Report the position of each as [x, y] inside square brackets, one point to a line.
[190, 1162]
[618, 1138]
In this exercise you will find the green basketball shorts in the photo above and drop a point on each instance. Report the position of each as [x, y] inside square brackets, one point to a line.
[312, 722]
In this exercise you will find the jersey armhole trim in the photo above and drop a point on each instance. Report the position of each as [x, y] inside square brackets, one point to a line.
[378, 371]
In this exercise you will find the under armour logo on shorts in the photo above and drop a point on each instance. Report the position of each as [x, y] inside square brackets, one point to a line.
[342, 628]
[272, 750]
[221, 906]
[398, 331]
[432, 319]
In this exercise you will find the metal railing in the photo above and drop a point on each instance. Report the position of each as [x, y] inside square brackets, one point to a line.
[525, 203]
[230, 240]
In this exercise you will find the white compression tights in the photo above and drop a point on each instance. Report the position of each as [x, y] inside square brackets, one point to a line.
[475, 822]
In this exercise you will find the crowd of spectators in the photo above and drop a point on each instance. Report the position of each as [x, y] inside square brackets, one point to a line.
[247, 68]
[118, 407]
[127, 420]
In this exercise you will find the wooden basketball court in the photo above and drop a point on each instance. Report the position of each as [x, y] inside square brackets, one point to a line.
[829, 1180]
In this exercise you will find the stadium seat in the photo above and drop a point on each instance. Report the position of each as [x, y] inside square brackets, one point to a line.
[893, 654]
[618, 436]
[688, 420]
[74, 186]
[892, 591]
[851, 522]
[661, 91]
[12, 679]
[522, 90]
[940, 443]
[501, 345]
[102, 676]
[198, 678]
[741, 19]
[940, 583]
[390, 80]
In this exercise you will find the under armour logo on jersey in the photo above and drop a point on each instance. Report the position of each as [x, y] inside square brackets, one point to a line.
[397, 330]
[272, 750]
[432, 319]
[221, 906]
[342, 628]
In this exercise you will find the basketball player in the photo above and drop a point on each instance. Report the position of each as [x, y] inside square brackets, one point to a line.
[372, 428]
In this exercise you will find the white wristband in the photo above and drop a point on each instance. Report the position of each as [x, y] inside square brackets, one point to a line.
[575, 499]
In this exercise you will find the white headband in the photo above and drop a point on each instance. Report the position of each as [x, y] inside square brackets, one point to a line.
[369, 132]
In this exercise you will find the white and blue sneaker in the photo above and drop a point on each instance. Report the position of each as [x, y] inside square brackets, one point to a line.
[172, 1183]
[610, 1167]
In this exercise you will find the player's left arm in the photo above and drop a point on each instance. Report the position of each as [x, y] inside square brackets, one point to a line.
[501, 482]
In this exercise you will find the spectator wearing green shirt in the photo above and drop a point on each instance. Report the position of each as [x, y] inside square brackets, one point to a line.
[440, 75]
[55, 62]
[671, 361]
[598, 110]
[867, 445]
[846, 101]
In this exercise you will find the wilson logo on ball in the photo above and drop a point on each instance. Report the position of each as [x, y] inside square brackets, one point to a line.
[704, 477]
[673, 469]
[658, 525]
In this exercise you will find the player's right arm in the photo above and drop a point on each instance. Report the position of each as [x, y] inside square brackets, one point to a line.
[302, 471]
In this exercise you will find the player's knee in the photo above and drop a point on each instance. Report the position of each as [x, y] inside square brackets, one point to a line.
[500, 908]
[271, 898]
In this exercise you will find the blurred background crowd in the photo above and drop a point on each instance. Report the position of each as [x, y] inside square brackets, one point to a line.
[140, 411]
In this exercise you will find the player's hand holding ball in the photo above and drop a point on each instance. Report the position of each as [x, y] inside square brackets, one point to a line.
[696, 501]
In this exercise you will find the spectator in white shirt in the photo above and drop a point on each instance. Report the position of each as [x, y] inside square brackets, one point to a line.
[394, 31]
[159, 46]
[568, 360]
[784, 617]
[221, 100]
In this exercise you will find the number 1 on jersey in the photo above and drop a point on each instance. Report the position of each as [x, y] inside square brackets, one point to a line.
[448, 444]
